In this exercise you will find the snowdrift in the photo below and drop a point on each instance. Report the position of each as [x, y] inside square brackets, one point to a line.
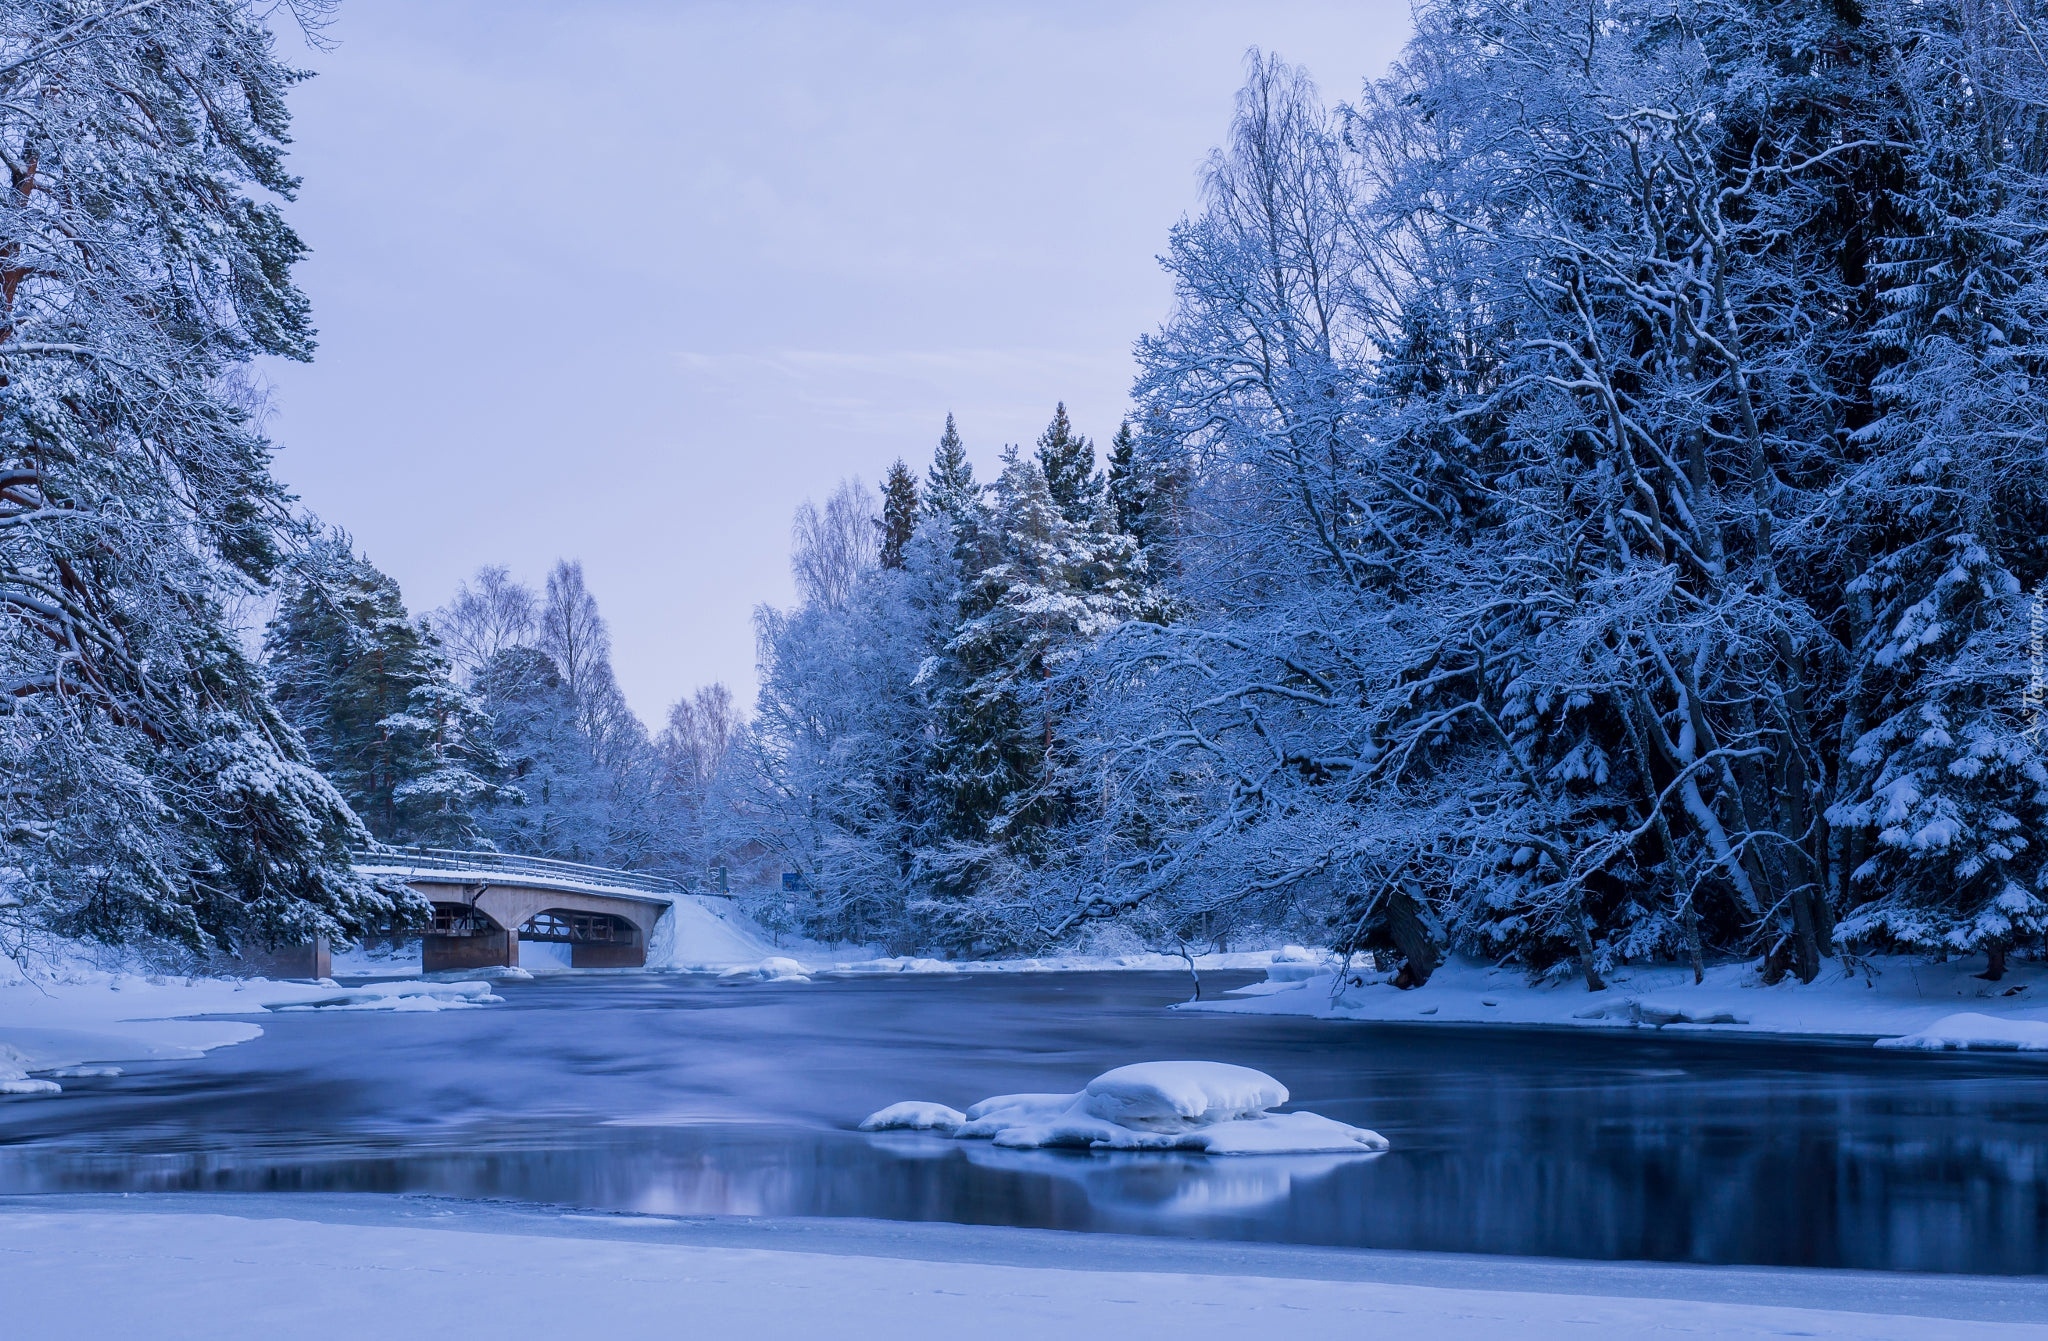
[775, 968]
[1211, 1108]
[1969, 1030]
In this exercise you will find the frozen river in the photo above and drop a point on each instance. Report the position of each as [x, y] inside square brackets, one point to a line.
[676, 1095]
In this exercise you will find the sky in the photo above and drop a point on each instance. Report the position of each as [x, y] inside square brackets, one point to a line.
[626, 282]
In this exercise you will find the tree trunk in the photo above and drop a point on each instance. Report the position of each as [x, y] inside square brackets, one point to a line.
[1417, 935]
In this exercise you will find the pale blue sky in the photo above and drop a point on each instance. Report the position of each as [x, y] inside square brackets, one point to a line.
[628, 281]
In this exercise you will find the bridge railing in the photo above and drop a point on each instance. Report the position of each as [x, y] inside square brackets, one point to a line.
[456, 860]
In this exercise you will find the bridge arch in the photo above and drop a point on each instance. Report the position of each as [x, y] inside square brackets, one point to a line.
[595, 939]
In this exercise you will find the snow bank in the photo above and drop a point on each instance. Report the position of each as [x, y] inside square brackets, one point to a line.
[69, 1020]
[14, 1077]
[1210, 1108]
[170, 1276]
[1973, 1031]
[1882, 996]
[705, 933]
[775, 968]
[1292, 962]
[898, 964]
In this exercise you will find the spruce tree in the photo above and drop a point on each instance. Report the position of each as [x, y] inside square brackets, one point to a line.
[1127, 492]
[554, 804]
[1149, 477]
[950, 490]
[1067, 460]
[370, 692]
[1004, 778]
[899, 514]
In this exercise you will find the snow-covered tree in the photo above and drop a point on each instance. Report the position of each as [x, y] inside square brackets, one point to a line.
[373, 697]
[1584, 555]
[489, 613]
[150, 787]
[558, 806]
[899, 514]
[837, 771]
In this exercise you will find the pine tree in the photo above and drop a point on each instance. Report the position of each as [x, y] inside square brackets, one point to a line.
[151, 789]
[371, 694]
[899, 513]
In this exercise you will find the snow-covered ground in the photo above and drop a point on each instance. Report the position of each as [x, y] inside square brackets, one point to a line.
[1915, 1002]
[178, 1271]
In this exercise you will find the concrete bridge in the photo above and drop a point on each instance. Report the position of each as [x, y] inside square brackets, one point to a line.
[486, 903]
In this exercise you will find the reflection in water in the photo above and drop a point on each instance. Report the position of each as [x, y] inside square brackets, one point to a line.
[1612, 1146]
[1168, 1186]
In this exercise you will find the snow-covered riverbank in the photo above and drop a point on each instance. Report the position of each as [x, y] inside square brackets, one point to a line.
[1904, 1001]
[88, 1021]
[174, 1268]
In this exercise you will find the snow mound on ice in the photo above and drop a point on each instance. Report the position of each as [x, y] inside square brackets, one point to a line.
[915, 1116]
[406, 996]
[1172, 1096]
[1207, 1107]
[775, 968]
[1970, 1030]
[904, 964]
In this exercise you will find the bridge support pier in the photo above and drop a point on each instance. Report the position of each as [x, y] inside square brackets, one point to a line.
[491, 949]
[607, 956]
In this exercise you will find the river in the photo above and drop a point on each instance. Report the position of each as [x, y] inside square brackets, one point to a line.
[675, 1094]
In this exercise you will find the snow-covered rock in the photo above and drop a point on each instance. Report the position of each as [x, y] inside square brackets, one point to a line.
[1971, 1031]
[1173, 1096]
[1206, 1107]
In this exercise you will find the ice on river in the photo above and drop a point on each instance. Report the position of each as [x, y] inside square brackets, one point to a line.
[1208, 1107]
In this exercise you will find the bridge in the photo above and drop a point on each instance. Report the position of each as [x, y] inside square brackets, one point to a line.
[486, 903]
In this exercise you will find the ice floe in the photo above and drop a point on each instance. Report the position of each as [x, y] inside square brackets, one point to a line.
[1211, 1108]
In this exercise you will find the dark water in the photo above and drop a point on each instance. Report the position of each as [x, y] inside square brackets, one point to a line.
[667, 1094]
